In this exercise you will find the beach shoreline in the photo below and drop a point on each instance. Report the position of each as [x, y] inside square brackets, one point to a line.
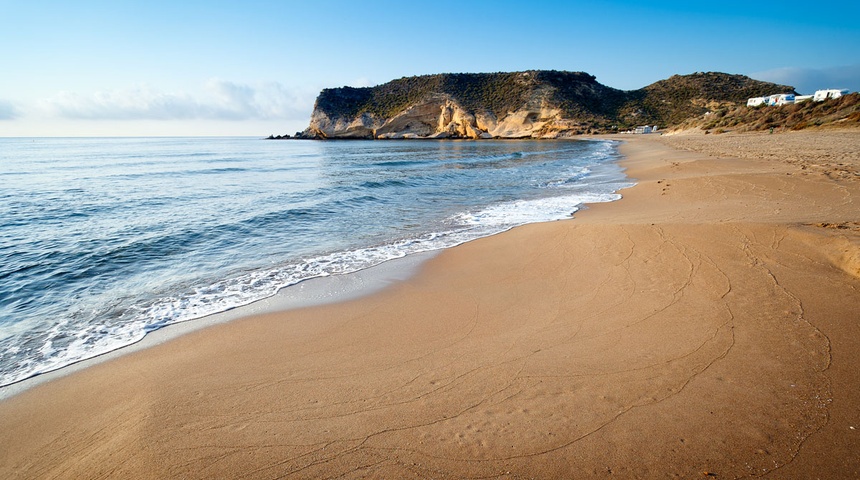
[258, 218]
[307, 293]
[705, 323]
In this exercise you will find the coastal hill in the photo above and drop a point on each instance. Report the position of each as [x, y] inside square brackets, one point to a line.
[530, 104]
[838, 113]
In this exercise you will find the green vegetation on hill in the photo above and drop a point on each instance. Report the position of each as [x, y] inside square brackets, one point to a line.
[494, 92]
[679, 97]
[579, 94]
[498, 93]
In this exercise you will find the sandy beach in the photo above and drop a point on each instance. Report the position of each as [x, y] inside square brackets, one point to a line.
[706, 325]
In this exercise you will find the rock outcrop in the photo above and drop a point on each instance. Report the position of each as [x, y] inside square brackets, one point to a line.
[532, 104]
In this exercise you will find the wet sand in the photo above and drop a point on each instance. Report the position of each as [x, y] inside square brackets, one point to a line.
[705, 325]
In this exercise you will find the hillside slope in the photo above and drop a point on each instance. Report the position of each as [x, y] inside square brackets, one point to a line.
[531, 104]
[842, 113]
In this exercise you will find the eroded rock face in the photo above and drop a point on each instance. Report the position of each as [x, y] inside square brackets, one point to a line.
[322, 126]
[440, 116]
[422, 119]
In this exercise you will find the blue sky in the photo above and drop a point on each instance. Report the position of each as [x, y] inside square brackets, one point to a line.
[255, 67]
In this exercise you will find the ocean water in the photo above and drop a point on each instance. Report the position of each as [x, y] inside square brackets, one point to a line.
[105, 239]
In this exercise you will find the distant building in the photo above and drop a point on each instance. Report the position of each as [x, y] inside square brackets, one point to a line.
[822, 95]
[756, 101]
[771, 100]
[785, 99]
[780, 99]
[788, 98]
[644, 129]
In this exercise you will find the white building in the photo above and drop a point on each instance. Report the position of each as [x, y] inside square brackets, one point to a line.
[785, 99]
[772, 100]
[780, 99]
[756, 101]
[822, 95]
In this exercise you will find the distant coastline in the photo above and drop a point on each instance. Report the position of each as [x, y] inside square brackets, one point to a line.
[555, 105]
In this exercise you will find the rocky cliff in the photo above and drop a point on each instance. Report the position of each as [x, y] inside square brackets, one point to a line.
[532, 104]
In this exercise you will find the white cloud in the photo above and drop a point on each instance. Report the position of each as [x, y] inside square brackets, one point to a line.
[808, 80]
[266, 101]
[362, 82]
[8, 110]
[218, 100]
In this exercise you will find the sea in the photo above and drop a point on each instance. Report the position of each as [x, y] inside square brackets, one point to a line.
[104, 240]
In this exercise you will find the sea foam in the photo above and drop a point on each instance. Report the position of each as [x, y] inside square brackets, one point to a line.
[123, 237]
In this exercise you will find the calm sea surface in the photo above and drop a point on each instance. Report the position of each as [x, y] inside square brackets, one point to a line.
[105, 239]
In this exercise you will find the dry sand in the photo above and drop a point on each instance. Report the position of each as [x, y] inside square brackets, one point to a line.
[705, 325]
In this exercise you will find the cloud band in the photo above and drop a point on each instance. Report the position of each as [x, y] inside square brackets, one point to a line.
[220, 100]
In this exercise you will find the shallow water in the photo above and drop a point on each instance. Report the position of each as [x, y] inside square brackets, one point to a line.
[104, 240]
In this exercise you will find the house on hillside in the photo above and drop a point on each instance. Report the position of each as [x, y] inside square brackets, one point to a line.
[780, 99]
[822, 95]
[788, 98]
[645, 129]
[771, 100]
[756, 101]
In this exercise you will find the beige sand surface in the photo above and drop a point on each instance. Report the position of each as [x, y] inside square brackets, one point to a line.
[708, 324]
